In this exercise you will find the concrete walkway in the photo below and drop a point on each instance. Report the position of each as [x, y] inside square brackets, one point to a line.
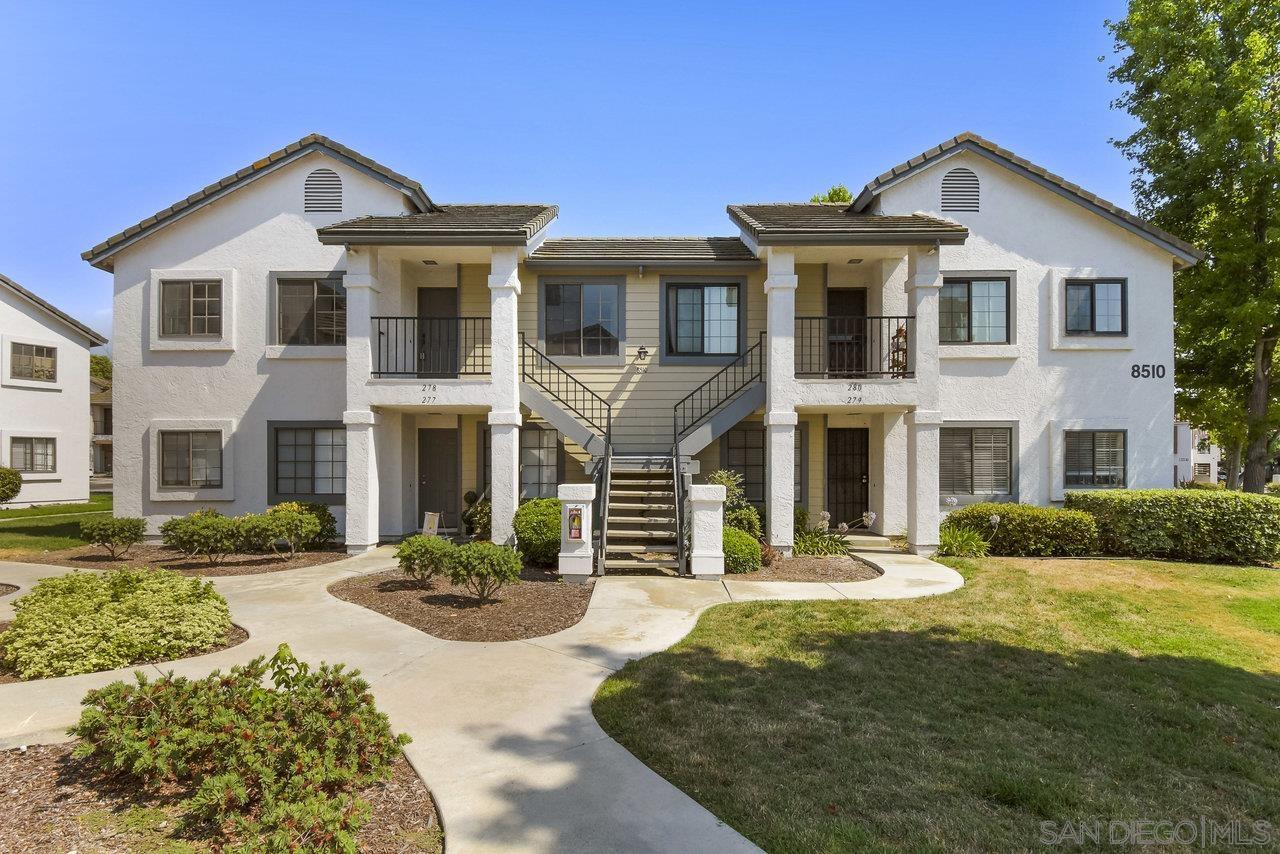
[503, 732]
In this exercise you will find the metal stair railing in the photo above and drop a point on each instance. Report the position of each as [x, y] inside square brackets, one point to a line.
[603, 478]
[584, 404]
[722, 387]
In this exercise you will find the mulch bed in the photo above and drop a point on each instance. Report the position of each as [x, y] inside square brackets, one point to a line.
[235, 637]
[6, 589]
[163, 557]
[812, 569]
[539, 605]
[54, 802]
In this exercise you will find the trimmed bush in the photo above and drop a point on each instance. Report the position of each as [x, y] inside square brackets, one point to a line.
[1025, 530]
[10, 484]
[745, 519]
[422, 557]
[742, 551]
[734, 497]
[483, 567]
[801, 518]
[205, 532]
[1211, 486]
[819, 542]
[328, 532]
[84, 622]
[297, 525]
[479, 519]
[1210, 526]
[117, 536]
[537, 526]
[257, 532]
[270, 769]
[961, 542]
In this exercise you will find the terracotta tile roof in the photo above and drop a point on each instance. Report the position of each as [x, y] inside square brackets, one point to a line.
[825, 222]
[477, 224]
[631, 251]
[94, 337]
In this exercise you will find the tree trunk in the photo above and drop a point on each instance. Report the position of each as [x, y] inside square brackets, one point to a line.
[1259, 397]
[1233, 465]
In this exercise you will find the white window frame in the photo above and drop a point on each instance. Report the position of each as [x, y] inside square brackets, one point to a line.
[223, 342]
[62, 351]
[158, 492]
[61, 450]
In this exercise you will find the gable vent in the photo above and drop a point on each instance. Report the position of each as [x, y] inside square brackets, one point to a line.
[323, 192]
[960, 190]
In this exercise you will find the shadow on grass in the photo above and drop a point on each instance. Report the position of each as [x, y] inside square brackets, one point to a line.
[924, 740]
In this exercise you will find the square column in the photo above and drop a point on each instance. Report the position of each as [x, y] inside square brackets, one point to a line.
[706, 524]
[923, 513]
[504, 417]
[362, 481]
[779, 458]
[924, 285]
[361, 282]
[780, 394]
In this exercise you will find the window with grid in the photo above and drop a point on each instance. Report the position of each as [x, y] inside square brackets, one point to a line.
[191, 307]
[191, 458]
[582, 318]
[311, 460]
[33, 454]
[1097, 307]
[539, 462]
[312, 312]
[744, 452]
[33, 362]
[976, 461]
[974, 311]
[703, 319]
[1095, 459]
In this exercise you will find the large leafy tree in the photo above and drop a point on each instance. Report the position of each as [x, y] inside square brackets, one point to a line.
[100, 366]
[1203, 79]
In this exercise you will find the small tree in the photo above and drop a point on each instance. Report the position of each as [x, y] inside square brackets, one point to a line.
[10, 484]
[838, 193]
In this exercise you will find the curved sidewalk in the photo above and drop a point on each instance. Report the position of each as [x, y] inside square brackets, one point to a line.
[503, 732]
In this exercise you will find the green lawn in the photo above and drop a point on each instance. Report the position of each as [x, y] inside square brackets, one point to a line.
[97, 503]
[41, 534]
[1045, 690]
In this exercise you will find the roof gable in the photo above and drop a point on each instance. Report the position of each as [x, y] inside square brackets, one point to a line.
[48, 308]
[1184, 252]
[100, 255]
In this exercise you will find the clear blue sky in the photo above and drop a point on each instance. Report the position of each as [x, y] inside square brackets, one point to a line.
[635, 118]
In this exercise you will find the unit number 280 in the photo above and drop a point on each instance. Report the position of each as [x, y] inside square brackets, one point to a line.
[1146, 372]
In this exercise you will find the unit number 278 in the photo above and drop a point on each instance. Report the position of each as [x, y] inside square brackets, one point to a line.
[1146, 372]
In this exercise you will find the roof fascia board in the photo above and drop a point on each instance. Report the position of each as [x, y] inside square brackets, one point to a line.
[443, 239]
[946, 238]
[664, 263]
[867, 195]
[49, 310]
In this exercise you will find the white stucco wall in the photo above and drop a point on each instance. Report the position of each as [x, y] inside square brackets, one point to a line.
[59, 410]
[1042, 381]
[243, 380]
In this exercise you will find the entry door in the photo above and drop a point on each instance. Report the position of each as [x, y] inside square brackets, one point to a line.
[847, 331]
[438, 485]
[847, 474]
[438, 332]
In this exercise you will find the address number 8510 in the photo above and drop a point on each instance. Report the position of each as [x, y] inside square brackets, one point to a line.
[1147, 372]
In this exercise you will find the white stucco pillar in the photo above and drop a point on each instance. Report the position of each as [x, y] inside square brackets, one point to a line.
[780, 395]
[362, 481]
[924, 284]
[504, 417]
[576, 560]
[923, 512]
[706, 523]
[893, 453]
[361, 282]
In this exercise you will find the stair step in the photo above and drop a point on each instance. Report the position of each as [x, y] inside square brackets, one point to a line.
[640, 564]
[641, 493]
[634, 505]
[639, 520]
[648, 534]
[640, 548]
[640, 481]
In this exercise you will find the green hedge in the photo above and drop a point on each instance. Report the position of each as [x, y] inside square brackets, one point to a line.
[745, 519]
[1025, 530]
[1185, 524]
[742, 551]
[537, 527]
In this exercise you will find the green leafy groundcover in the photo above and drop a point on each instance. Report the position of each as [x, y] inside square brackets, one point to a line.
[84, 622]
[267, 769]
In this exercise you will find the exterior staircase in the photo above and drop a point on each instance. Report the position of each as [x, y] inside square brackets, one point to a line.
[641, 519]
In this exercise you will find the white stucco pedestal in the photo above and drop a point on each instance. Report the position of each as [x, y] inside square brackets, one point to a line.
[577, 558]
[706, 519]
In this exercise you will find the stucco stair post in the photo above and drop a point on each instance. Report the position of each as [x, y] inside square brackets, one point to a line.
[924, 284]
[780, 413]
[504, 417]
[706, 522]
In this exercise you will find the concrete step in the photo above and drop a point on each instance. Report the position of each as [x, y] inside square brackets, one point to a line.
[641, 493]
[639, 520]
[626, 534]
[640, 482]
[640, 548]
[640, 564]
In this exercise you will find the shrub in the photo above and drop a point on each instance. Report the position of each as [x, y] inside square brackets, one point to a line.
[422, 557]
[1211, 526]
[537, 527]
[479, 518]
[1272, 488]
[117, 536]
[257, 532]
[1212, 485]
[1025, 530]
[328, 532]
[10, 484]
[205, 532]
[84, 622]
[734, 497]
[820, 542]
[745, 519]
[961, 542]
[742, 551]
[297, 525]
[801, 518]
[271, 769]
[483, 567]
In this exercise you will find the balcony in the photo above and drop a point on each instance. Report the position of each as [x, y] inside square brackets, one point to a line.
[431, 348]
[854, 348]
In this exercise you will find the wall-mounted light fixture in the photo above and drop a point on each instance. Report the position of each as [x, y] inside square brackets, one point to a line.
[642, 353]
[855, 260]
[429, 262]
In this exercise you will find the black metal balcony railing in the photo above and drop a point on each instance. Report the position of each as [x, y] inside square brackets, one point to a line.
[431, 347]
[854, 347]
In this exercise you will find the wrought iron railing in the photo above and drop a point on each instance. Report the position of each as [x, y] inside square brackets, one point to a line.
[588, 407]
[854, 347]
[723, 386]
[431, 346]
[677, 490]
[603, 476]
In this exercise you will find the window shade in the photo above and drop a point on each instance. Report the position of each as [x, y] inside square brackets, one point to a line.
[976, 461]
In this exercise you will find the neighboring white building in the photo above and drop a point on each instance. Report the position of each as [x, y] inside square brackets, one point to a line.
[1197, 457]
[316, 327]
[44, 392]
[100, 449]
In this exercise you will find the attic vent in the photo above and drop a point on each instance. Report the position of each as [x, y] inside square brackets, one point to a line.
[322, 192]
[960, 190]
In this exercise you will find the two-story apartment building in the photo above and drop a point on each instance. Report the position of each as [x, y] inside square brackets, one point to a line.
[44, 387]
[315, 326]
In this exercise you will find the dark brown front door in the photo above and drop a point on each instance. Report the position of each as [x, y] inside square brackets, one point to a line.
[846, 331]
[438, 332]
[847, 460]
[438, 486]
